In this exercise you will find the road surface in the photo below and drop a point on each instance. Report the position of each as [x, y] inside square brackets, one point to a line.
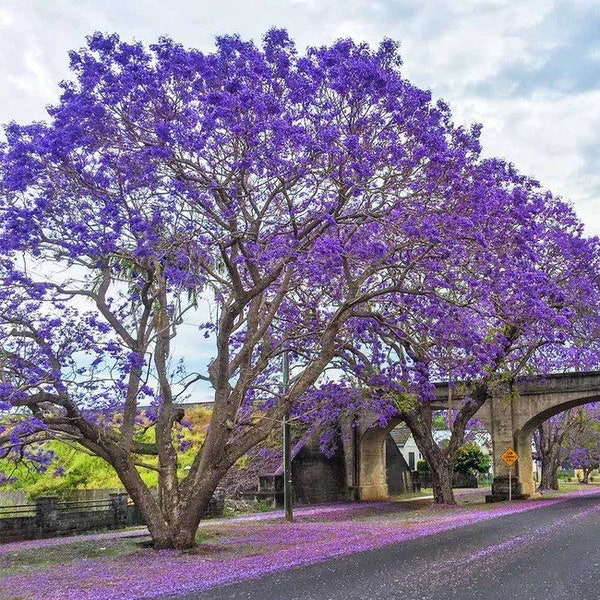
[548, 553]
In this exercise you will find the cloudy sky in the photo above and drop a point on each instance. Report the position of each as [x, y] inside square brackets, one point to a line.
[529, 71]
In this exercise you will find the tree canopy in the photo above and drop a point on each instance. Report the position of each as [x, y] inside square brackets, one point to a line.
[319, 203]
[581, 448]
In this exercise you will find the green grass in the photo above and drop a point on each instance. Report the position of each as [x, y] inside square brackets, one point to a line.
[564, 486]
[240, 508]
[411, 495]
[43, 558]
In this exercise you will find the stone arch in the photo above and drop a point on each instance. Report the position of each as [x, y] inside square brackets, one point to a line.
[523, 438]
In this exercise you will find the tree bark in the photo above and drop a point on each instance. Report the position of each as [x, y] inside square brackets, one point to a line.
[586, 475]
[548, 442]
[549, 476]
[441, 478]
[419, 421]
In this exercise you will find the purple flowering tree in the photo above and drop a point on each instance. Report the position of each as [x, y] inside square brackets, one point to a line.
[551, 441]
[287, 191]
[522, 298]
[582, 444]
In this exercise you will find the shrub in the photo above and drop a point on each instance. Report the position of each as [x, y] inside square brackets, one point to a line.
[471, 460]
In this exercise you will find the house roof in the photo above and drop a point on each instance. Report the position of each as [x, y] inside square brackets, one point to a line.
[400, 435]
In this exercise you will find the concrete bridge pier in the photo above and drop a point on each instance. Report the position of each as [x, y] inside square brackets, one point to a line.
[512, 419]
[372, 466]
[510, 415]
[525, 465]
[500, 423]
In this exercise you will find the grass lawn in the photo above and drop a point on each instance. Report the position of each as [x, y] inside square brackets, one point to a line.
[119, 566]
[40, 559]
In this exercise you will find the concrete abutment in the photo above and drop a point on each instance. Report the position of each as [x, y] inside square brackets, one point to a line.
[511, 416]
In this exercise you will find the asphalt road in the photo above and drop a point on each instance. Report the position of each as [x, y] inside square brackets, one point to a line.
[547, 553]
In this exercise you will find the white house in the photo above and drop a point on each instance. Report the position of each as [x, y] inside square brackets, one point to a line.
[406, 444]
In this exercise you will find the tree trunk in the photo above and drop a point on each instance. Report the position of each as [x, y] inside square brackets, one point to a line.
[548, 442]
[419, 422]
[549, 476]
[191, 513]
[158, 526]
[586, 474]
[177, 528]
[441, 477]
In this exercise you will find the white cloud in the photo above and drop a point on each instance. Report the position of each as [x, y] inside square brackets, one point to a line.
[34, 75]
[461, 43]
[354, 29]
[548, 137]
[6, 18]
[476, 55]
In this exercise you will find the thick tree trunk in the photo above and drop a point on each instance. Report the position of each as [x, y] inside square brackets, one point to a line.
[191, 513]
[177, 527]
[549, 476]
[441, 477]
[158, 526]
[548, 443]
[419, 422]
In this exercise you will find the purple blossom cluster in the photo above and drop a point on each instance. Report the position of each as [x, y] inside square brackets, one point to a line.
[324, 207]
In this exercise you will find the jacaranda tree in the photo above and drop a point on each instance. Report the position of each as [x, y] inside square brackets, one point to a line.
[526, 301]
[288, 191]
[551, 441]
[583, 448]
[569, 439]
[312, 201]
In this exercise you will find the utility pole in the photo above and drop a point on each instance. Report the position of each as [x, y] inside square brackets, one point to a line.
[287, 451]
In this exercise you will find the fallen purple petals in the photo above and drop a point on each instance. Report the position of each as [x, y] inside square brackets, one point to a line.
[244, 548]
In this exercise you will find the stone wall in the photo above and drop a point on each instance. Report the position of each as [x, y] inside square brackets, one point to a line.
[400, 479]
[19, 497]
[318, 478]
[49, 516]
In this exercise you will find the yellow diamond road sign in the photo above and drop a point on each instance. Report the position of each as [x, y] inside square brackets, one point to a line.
[510, 457]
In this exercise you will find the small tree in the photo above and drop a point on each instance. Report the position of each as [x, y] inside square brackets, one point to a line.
[471, 460]
[584, 442]
[551, 439]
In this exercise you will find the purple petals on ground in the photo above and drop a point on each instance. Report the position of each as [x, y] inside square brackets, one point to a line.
[242, 548]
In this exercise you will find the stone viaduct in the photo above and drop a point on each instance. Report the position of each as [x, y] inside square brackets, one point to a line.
[510, 419]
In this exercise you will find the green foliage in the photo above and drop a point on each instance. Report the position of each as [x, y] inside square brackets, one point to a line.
[263, 506]
[422, 465]
[74, 469]
[440, 422]
[472, 460]
[405, 402]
